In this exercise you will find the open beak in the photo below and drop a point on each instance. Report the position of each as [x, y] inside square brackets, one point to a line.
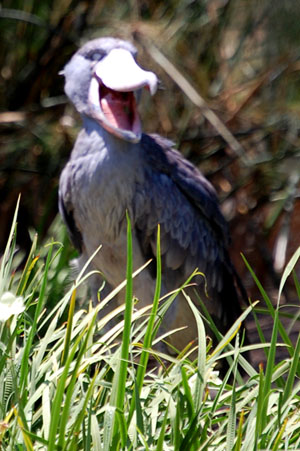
[116, 79]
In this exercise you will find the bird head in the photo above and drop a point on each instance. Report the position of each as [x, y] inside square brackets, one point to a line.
[102, 80]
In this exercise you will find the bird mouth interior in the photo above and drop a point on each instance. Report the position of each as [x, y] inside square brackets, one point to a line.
[119, 109]
[115, 110]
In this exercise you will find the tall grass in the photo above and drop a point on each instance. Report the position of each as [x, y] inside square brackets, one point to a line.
[66, 386]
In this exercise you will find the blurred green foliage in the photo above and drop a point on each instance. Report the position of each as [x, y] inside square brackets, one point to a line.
[242, 57]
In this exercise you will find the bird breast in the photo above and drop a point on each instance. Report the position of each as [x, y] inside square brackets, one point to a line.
[104, 184]
[103, 187]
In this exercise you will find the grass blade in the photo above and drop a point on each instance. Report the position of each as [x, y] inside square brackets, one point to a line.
[199, 389]
[287, 271]
[287, 389]
[271, 309]
[160, 442]
[69, 328]
[119, 382]
[58, 415]
[149, 332]
[6, 259]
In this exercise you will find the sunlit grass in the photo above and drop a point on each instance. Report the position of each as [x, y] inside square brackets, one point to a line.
[66, 386]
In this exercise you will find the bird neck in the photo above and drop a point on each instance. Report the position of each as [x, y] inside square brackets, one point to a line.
[106, 139]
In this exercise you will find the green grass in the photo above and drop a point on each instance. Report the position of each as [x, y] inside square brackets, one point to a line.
[66, 386]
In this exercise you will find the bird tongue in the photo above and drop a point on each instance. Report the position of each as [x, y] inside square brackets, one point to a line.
[119, 108]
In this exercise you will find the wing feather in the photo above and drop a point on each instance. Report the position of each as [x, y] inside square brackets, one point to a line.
[66, 209]
[175, 194]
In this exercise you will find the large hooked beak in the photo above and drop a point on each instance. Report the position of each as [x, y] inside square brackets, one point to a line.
[116, 79]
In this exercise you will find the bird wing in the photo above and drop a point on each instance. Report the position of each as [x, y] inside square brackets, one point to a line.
[65, 206]
[176, 195]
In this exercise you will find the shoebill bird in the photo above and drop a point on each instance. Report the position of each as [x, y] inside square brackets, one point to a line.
[115, 168]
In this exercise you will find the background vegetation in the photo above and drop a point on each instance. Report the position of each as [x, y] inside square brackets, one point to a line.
[241, 57]
[230, 59]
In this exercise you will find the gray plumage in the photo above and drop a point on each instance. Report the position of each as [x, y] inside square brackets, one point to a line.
[114, 167]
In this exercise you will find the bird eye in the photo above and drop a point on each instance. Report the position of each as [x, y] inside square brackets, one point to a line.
[96, 56]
